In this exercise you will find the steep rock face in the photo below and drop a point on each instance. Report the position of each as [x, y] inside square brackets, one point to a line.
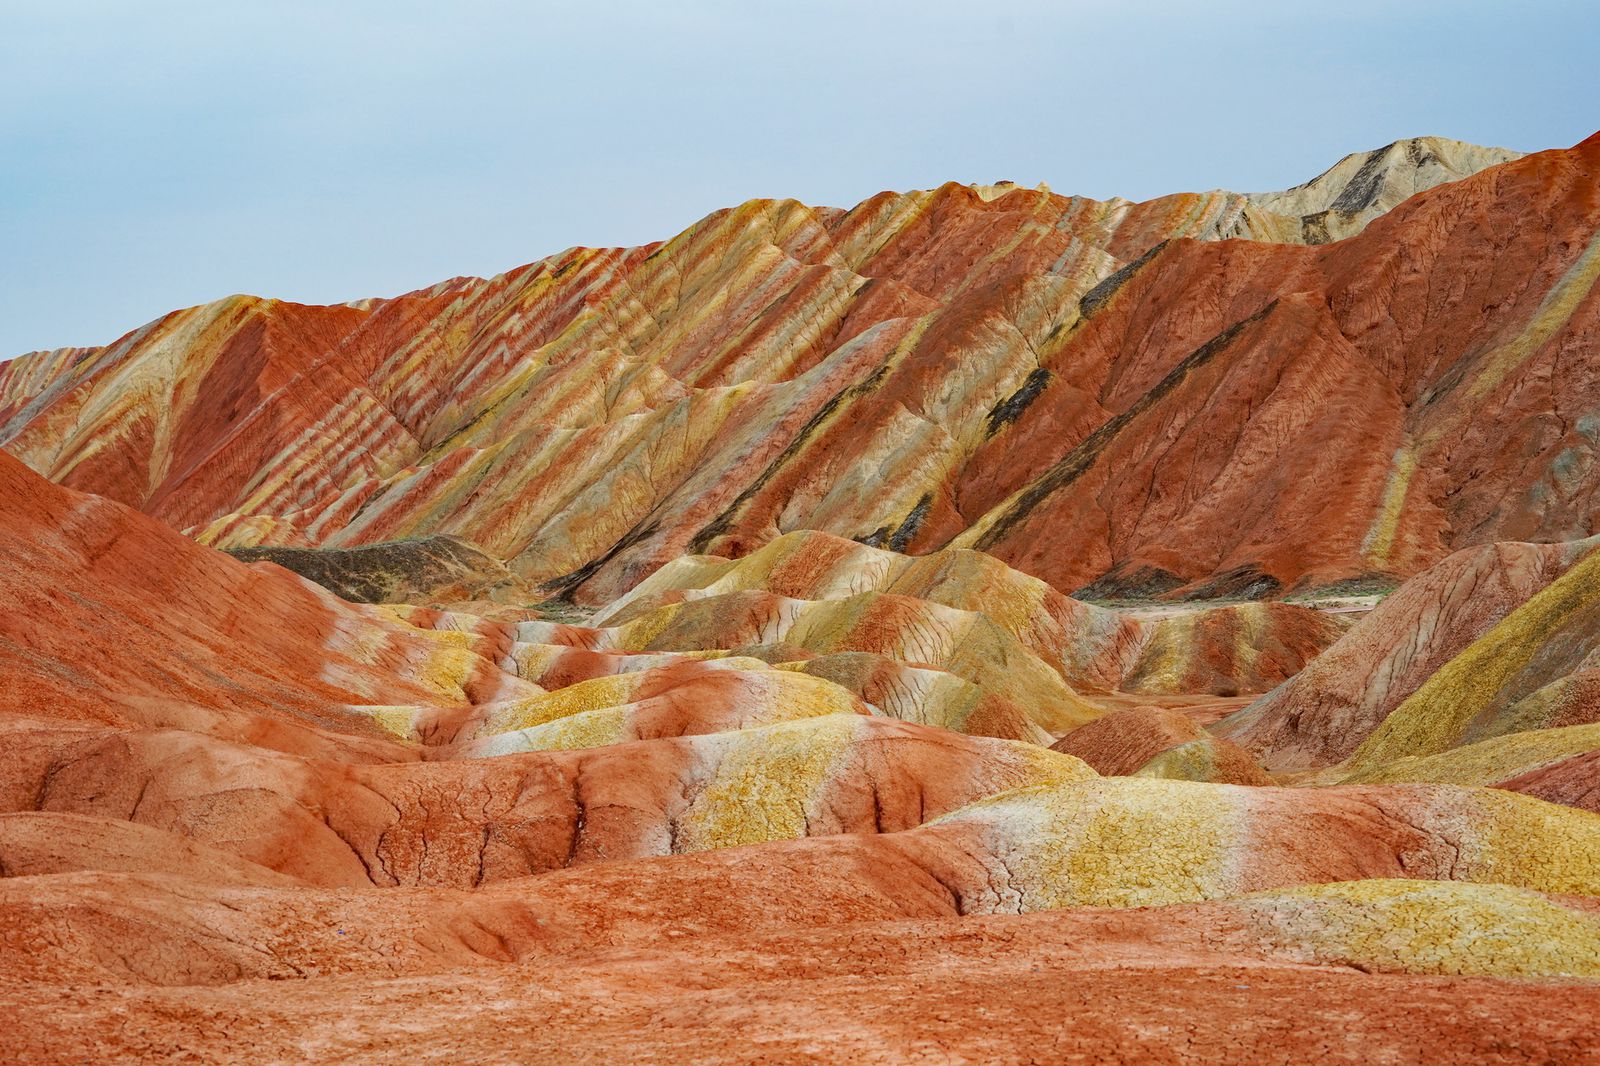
[1016, 370]
[1515, 702]
[1402, 392]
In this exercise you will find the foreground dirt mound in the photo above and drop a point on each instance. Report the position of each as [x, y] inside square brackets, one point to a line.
[698, 956]
[393, 983]
[465, 822]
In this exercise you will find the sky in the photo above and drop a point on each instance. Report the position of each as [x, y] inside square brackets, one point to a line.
[159, 154]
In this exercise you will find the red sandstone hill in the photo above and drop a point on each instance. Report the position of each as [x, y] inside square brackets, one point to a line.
[1100, 394]
[833, 770]
[240, 818]
[1480, 670]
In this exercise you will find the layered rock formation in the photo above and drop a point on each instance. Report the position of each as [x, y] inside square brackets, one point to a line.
[1480, 670]
[113, 618]
[1157, 742]
[1339, 202]
[1326, 712]
[1099, 394]
[386, 798]
[717, 693]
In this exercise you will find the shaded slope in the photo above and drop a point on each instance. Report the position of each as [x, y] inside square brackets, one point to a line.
[429, 569]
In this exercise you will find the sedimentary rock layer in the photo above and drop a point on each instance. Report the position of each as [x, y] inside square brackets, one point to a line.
[112, 617]
[1098, 393]
[1480, 670]
[288, 804]
[729, 703]
[1223, 650]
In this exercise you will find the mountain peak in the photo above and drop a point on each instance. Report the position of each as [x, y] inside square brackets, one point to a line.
[1363, 185]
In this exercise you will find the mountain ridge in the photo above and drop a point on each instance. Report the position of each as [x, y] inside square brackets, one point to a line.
[935, 317]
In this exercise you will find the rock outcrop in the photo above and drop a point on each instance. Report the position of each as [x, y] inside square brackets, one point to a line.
[1339, 202]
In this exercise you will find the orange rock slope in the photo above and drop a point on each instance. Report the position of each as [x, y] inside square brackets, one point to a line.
[246, 821]
[718, 694]
[1481, 670]
[1100, 394]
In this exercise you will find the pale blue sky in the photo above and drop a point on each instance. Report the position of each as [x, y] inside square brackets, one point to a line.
[160, 154]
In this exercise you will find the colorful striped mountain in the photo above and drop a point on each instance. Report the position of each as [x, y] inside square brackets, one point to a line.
[1188, 394]
[977, 626]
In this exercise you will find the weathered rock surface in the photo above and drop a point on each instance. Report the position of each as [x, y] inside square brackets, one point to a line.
[1157, 742]
[1227, 651]
[1326, 711]
[1481, 670]
[770, 778]
[1223, 650]
[1340, 201]
[663, 975]
[112, 617]
[1096, 393]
